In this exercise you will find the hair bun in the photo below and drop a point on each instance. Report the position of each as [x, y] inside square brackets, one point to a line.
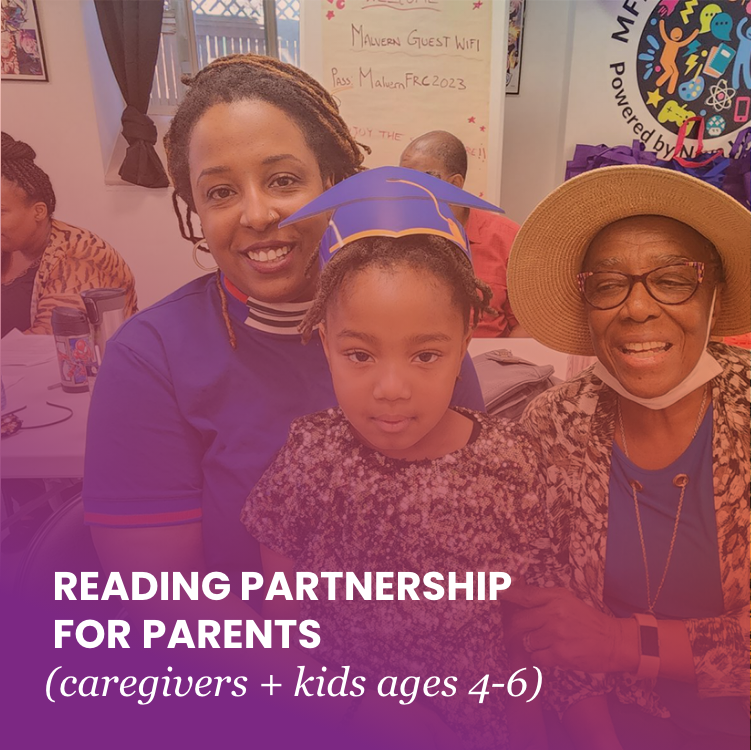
[13, 150]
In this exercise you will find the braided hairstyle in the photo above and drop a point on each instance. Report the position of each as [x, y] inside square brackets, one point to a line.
[436, 255]
[17, 159]
[254, 77]
[247, 77]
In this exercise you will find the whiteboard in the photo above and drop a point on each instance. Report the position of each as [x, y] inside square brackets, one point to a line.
[400, 68]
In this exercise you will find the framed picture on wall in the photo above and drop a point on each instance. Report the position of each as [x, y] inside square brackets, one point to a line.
[515, 32]
[22, 52]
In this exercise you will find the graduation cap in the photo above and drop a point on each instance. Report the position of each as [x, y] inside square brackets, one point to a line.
[390, 202]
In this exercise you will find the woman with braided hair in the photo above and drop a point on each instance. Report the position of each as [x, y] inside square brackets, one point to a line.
[199, 391]
[46, 263]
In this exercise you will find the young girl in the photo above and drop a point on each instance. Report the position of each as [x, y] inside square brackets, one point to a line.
[394, 479]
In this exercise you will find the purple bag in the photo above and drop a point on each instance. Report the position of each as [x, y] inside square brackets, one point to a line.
[709, 167]
[587, 158]
[738, 175]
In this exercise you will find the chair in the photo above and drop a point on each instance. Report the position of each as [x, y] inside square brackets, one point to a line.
[62, 543]
[509, 383]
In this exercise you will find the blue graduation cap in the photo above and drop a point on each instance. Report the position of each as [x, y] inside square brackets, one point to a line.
[390, 202]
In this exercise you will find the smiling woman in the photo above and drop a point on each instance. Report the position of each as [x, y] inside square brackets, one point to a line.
[647, 454]
[663, 274]
[252, 169]
[198, 392]
[254, 140]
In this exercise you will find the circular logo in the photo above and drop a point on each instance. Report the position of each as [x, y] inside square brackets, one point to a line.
[694, 58]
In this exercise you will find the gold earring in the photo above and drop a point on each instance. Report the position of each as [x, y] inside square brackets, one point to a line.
[196, 248]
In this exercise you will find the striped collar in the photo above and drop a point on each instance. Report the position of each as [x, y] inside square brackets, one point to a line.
[272, 317]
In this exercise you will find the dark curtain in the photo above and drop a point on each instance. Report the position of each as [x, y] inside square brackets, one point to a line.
[131, 31]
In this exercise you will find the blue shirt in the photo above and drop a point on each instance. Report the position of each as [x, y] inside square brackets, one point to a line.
[693, 586]
[182, 426]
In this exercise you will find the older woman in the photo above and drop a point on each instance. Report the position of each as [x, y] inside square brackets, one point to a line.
[647, 455]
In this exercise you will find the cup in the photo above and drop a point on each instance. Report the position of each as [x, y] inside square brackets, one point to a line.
[75, 354]
[106, 311]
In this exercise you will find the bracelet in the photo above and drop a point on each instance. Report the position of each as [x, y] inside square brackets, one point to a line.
[352, 709]
[649, 647]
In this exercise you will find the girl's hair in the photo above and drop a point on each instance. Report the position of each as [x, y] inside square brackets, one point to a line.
[18, 167]
[426, 252]
[255, 77]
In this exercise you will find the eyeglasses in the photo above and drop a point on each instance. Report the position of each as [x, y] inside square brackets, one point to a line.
[669, 285]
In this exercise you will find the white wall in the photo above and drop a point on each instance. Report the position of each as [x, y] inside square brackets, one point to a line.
[533, 146]
[73, 123]
[58, 119]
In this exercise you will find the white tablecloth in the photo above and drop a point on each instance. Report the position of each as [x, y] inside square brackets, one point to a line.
[48, 452]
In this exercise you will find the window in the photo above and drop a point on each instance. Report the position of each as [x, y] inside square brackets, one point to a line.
[195, 32]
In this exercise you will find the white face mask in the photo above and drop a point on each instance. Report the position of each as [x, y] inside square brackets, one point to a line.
[705, 369]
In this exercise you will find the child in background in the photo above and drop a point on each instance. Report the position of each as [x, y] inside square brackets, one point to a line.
[395, 480]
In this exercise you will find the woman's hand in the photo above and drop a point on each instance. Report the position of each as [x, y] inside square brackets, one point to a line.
[559, 630]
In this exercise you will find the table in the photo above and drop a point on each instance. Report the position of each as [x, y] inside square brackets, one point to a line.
[58, 451]
[54, 452]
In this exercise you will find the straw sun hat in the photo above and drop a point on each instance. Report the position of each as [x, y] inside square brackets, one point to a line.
[552, 242]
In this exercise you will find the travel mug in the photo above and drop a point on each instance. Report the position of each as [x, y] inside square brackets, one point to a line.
[75, 354]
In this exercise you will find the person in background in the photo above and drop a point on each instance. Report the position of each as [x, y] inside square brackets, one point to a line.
[491, 235]
[46, 263]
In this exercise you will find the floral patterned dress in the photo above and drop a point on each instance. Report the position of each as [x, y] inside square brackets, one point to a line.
[331, 504]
